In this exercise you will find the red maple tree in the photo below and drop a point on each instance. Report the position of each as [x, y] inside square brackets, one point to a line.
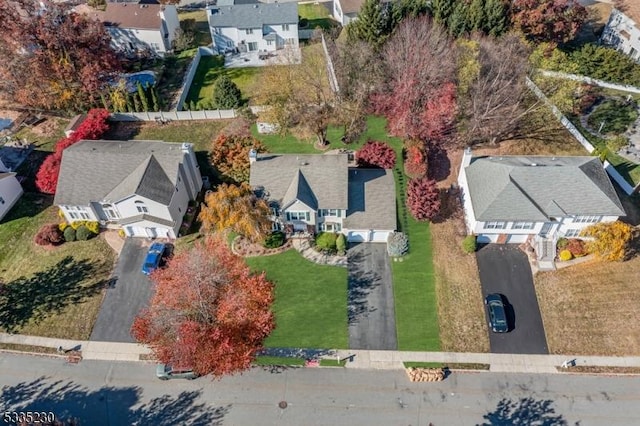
[423, 199]
[376, 154]
[209, 311]
[415, 163]
[93, 127]
[548, 20]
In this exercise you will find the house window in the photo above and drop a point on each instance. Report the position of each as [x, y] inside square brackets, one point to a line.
[329, 212]
[495, 225]
[269, 43]
[275, 226]
[522, 225]
[109, 211]
[298, 216]
[285, 27]
[141, 207]
[248, 31]
[253, 46]
[290, 41]
[586, 219]
[274, 211]
[572, 233]
[330, 227]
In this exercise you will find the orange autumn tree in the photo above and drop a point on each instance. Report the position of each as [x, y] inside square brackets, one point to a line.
[236, 208]
[209, 311]
[610, 240]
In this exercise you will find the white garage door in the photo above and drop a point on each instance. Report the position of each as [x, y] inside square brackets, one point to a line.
[358, 236]
[380, 236]
[147, 232]
[517, 238]
[135, 231]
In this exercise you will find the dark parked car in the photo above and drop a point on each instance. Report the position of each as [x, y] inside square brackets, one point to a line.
[154, 256]
[497, 314]
[166, 372]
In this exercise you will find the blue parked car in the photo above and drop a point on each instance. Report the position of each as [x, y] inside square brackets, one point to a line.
[154, 256]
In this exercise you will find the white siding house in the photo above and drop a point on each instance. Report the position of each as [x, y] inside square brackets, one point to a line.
[141, 27]
[345, 11]
[255, 27]
[623, 28]
[10, 192]
[142, 187]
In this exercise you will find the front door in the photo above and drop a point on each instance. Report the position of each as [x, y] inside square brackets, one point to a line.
[546, 228]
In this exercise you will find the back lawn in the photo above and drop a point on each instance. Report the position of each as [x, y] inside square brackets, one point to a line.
[317, 15]
[200, 23]
[310, 302]
[53, 292]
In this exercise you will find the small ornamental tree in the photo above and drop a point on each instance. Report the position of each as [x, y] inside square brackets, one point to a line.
[47, 176]
[548, 20]
[69, 234]
[226, 94]
[230, 156]
[49, 234]
[415, 162]
[610, 239]
[397, 244]
[423, 199]
[209, 311]
[376, 154]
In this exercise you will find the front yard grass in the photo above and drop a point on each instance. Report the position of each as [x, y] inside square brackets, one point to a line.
[591, 308]
[310, 302]
[52, 292]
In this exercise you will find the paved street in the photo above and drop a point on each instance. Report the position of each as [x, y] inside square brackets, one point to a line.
[372, 322]
[505, 269]
[129, 293]
[122, 393]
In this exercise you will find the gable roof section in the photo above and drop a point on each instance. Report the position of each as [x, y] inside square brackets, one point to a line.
[372, 200]
[318, 180]
[539, 188]
[253, 15]
[93, 171]
[132, 15]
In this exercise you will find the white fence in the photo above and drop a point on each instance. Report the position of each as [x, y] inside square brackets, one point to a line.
[188, 78]
[615, 175]
[164, 116]
[589, 80]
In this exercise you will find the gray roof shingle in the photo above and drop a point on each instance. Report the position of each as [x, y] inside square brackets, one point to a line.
[372, 200]
[537, 188]
[323, 177]
[112, 170]
[253, 15]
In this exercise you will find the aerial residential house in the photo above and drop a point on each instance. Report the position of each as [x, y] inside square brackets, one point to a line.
[314, 193]
[345, 11]
[623, 28]
[141, 27]
[535, 199]
[142, 187]
[10, 191]
[253, 27]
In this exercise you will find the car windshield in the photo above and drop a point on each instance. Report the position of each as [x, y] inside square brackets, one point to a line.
[498, 312]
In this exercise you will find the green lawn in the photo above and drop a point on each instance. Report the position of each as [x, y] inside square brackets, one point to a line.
[310, 302]
[316, 15]
[202, 34]
[209, 69]
[53, 292]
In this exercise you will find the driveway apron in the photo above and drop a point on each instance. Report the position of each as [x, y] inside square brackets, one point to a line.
[129, 292]
[372, 322]
[505, 269]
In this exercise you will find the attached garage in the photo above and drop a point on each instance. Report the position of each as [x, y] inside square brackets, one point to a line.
[358, 236]
[147, 232]
[367, 236]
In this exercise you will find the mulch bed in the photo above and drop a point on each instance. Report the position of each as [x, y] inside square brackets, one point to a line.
[245, 248]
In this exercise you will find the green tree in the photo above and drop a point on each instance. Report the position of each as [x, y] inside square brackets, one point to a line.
[374, 23]
[226, 94]
[457, 22]
[154, 99]
[410, 9]
[475, 15]
[442, 9]
[496, 20]
[144, 102]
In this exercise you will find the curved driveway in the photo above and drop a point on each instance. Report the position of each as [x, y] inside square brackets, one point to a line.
[505, 269]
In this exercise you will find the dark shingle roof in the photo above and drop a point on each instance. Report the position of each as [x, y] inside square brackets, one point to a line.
[538, 188]
[372, 200]
[253, 15]
[112, 170]
[132, 15]
[323, 177]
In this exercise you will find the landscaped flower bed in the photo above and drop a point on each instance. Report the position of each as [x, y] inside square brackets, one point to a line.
[245, 248]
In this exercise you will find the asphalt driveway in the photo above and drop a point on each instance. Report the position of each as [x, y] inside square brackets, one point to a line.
[505, 269]
[130, 291]
[372, 319]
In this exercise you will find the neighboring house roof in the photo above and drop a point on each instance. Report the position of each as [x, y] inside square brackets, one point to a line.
[372, 200]
[7, 175]
[351, 6]
[113, 170]
[132, 15]
[539, 188]
[253, 15]
[319, 181]
[631, 8]
[232, 2]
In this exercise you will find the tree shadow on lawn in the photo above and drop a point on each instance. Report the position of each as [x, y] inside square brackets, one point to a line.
[525, 411]
[361, 283]
[26, 299]
[74, 404]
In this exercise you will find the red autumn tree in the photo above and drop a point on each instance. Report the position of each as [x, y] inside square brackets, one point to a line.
[417, 96]
[415, 162]
[93, 127]
[60, 60]
[376, 154]
[548, 20]
[209, 311]
[423, 198]
[230, 156]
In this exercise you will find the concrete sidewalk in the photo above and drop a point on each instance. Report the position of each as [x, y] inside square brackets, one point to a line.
[388, 360]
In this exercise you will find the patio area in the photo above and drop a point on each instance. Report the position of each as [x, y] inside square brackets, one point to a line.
[261, 58]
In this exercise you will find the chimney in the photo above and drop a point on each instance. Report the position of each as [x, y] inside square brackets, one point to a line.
[253, 156]
[466, 158]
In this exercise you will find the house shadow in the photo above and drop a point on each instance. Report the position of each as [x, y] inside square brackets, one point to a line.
[525, 411]
[360, 283]
[29, 205]
[74, 404]
[33, 298]
[439, 165]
